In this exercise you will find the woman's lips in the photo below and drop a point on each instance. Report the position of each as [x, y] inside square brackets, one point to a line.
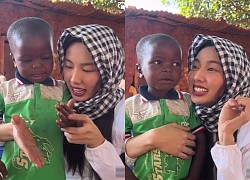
[199, 91]
[78, 91]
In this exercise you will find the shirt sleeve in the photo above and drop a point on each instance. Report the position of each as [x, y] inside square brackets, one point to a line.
[105, 160]
[66, 95]
[195, 122]
[128, 134]
[2, 110]
[228, 160]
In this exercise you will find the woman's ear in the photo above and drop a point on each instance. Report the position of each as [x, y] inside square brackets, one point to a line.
[138, 66]
[13, 59]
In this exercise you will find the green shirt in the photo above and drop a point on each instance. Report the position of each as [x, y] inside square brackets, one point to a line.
[143, 115]
[36, 104]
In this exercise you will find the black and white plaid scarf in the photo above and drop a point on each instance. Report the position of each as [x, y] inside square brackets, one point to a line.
[236, 69]
[108, 55]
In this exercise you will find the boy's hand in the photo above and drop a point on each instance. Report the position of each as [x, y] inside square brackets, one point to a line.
[3, 171]
[234, 114]
[64, 111]
[26, 141]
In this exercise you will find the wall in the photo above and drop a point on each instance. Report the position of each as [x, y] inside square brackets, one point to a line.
[141, 25]
[10, 12]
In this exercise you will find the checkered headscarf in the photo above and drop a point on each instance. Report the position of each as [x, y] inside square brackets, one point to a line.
[236, 69]
[108, 55]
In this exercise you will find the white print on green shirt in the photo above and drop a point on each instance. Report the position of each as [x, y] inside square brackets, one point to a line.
[157, 165]
[46, 148]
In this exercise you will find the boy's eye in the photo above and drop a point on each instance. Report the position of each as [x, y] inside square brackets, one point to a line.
[176, 64]
[157, 62]
[47, 57]
[26, 60]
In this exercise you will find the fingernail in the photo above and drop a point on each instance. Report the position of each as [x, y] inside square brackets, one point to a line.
[6, 176]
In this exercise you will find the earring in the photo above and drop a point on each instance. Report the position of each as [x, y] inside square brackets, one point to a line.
[140, 75]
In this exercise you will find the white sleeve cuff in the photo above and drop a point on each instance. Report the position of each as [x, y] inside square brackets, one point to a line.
[129, 161]
[105, 160]
[228, 161]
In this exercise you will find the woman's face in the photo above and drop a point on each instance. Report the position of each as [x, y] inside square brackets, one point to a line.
[206, 78]
[80, 73]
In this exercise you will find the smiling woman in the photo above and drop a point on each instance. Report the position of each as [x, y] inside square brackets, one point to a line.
[218, 70]
[206, 67]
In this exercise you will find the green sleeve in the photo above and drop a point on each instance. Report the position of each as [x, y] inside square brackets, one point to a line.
[128, 126]
[194, 120]
[2, 106]
[66, 95]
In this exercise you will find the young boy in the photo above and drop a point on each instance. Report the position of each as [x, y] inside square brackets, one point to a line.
[158, 103]
[32, 95]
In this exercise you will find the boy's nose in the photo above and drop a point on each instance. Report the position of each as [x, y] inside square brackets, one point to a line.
[36, 64]
[167, 69]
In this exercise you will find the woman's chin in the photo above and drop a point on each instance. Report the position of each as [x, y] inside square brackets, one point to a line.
[80, 98]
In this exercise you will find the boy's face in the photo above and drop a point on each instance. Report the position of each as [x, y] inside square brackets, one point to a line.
[161, 66]
[33, 57]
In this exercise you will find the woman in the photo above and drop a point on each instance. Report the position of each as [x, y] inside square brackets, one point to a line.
[218, 70]
[92, 62]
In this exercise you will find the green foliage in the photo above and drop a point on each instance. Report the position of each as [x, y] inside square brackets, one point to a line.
[112, 6]
[236, 12]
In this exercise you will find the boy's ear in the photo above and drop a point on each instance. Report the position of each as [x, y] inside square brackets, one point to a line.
[138, 66]
[13, 59]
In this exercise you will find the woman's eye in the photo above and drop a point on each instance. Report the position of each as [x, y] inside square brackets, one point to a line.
[211, 69]
[194, 67]
[89, 69]
[67, 66]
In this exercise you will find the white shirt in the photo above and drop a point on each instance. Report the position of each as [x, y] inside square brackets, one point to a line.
[105, 159]
[233, 161]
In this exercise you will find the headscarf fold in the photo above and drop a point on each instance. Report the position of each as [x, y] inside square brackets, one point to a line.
[236, 68]
[108, 55]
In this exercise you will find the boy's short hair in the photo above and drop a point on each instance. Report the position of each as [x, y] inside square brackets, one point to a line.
[28, 26]
[140, 47]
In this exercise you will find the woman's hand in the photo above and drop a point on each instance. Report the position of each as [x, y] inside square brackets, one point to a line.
[88, 133]
[234, 114]
[3, 171]
[26, 141]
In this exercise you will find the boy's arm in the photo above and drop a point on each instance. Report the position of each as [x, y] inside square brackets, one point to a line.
[6, 132]
[199, 157]
[171, 138]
